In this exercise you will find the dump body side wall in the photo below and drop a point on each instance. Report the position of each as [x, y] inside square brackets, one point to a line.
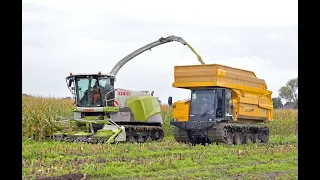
[199, 76]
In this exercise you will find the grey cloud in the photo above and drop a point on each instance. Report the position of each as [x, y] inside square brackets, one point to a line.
[54, 43]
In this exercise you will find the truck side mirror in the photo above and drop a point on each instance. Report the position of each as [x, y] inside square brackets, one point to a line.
[170, 101]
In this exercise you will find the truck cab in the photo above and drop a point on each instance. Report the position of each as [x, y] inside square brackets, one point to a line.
[203, 109]
[210, 104]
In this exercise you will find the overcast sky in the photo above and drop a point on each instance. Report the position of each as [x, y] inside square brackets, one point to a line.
[60, 36]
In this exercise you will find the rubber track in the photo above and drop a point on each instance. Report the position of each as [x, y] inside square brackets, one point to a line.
[140, 130]
[223, 131]
[219, 135]
[181, 135]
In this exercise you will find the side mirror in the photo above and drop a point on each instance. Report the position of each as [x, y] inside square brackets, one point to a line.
[170, 101]
[152, 93]
[69, 83]
[112, 80]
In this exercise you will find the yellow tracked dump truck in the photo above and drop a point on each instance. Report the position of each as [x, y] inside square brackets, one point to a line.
[227, 105]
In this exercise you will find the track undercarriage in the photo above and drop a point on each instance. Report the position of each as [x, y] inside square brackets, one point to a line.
[142, 134]
[133, 133]
[227, 133]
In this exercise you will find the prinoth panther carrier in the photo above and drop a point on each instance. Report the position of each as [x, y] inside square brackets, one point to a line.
[227, 105]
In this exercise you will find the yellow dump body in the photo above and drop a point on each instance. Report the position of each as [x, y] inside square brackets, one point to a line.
[250, 97]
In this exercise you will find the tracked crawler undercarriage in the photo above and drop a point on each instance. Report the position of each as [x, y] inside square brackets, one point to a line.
[228, 133]
[133, 134]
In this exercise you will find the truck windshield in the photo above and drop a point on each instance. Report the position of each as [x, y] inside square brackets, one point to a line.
[91, 90]
[202, 102]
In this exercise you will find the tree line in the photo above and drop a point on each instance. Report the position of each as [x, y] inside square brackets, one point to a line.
[289, 94]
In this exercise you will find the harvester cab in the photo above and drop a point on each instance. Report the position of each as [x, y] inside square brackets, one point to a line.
[92, 90]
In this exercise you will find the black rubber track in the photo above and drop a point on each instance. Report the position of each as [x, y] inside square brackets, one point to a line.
[229, 133]
[181, 135]
[134, 133]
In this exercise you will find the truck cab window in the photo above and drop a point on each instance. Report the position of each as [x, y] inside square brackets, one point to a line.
[202, 102]
[219, 104]
[228, 100]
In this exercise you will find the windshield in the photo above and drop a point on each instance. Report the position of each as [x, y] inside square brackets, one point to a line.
[90, 89]
[202, 102]
[105, 88]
